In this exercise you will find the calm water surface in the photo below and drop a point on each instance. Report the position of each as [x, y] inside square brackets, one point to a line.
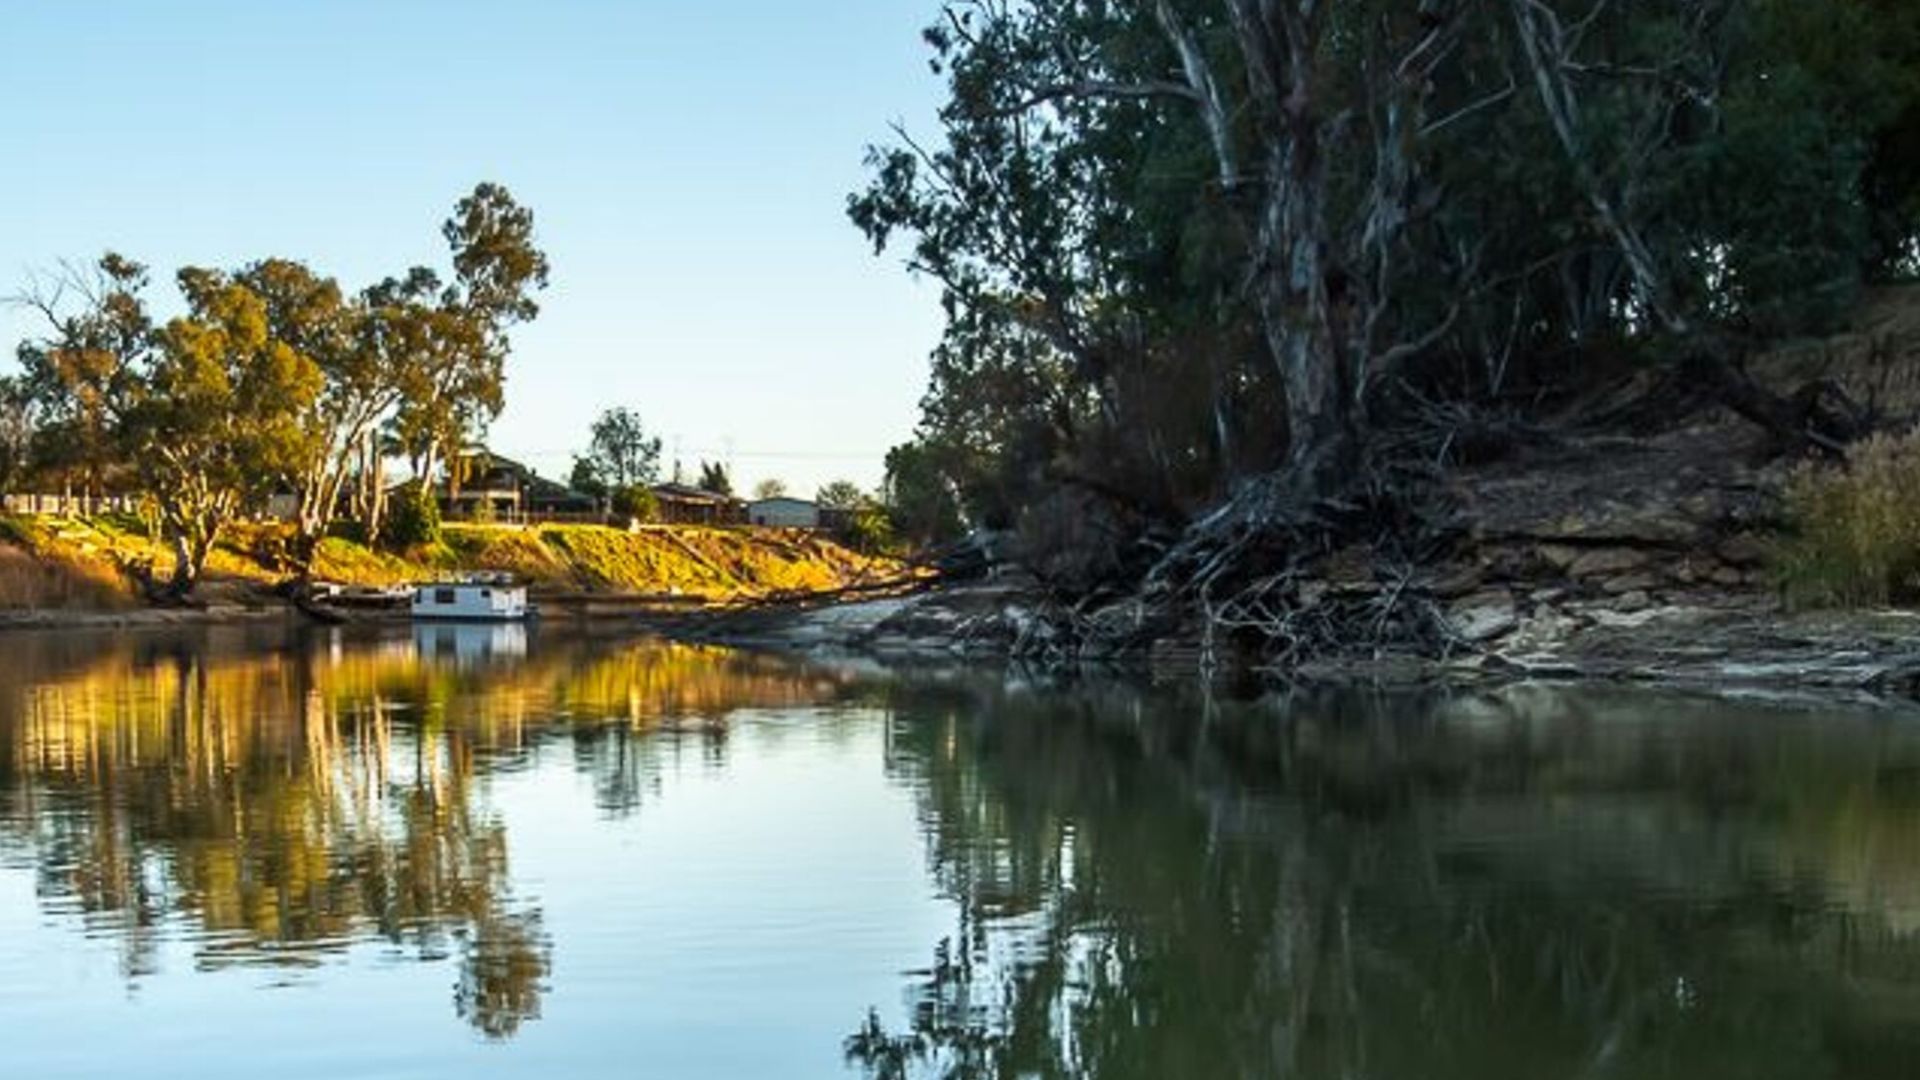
[478, 852]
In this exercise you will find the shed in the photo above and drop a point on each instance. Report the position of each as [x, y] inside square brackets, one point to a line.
[784, 512]
[683, 505]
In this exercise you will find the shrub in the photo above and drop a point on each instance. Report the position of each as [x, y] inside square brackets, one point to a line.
[413, 521]
[1853, 535]
[636, 501]
[868, 529]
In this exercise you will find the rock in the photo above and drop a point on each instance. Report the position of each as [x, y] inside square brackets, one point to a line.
[1544, 633]
[1607, 562]
[1558, 556]
[1614, 619]
[1742, 550]
[1626, 523]
[1484, 617]
[1727, 576]
[1450, 583]
[1636, 600]
[1629, 583]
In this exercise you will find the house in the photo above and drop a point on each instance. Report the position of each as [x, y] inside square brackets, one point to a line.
[682, 504]
[490, 489]
[496, 488]
[546, 497]
[784, 512]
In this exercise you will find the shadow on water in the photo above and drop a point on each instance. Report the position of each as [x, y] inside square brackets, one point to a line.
[1143, 882]
[288, 797]
[1519, 884]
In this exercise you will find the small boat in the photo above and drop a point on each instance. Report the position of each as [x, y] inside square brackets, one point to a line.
[476, 597]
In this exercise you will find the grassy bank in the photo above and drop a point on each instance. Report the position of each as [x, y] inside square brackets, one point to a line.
[74, 563]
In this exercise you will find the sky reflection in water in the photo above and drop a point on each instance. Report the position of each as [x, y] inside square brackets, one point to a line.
[478, 851]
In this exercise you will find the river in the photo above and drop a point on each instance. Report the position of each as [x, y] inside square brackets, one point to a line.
[484, 851]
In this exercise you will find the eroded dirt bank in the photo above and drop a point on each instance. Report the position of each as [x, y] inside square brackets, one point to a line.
[1605, 557]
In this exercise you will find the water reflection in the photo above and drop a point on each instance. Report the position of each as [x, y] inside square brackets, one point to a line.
[1515, 885]
[470, 644]
[1085, 880]
[286, 800]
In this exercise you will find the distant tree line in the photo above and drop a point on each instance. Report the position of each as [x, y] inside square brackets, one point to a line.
[622, 464]
[1206, 252]
[273, 380]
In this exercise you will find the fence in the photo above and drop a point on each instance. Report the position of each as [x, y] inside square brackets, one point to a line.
[70, 505]
[280, 508]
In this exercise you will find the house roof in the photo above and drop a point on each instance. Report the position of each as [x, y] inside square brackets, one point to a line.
[499, 466]
[785, 499]
[689, 494]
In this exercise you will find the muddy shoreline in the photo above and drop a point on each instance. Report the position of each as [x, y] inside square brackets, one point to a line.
[1737, 641]
[1740, 642]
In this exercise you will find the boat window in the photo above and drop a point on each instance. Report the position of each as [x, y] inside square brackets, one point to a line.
[486, 593]
[443, 596]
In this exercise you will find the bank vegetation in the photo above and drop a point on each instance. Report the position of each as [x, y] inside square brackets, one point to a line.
[1235, 287]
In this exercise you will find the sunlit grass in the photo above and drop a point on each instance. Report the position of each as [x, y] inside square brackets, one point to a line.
[60, 562]
[1853, 536]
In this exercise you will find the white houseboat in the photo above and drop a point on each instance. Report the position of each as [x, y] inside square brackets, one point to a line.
[485, 598]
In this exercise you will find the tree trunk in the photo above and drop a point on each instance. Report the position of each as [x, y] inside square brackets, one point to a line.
[186, 569]
[1297, 310]
[377, 493]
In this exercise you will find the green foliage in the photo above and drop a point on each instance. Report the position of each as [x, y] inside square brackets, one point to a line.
[274, 379]
[213, 415]
[714, 478]
[636, 501]
[495, 259]
[76, 377]
[17, 430]
[770, 488]
[413, 520]
[586, 478]
[840, 495]
[1853, 537]
[869, 529]
[921, 506]
[456, 335]
[621, 452]
[1145, 297]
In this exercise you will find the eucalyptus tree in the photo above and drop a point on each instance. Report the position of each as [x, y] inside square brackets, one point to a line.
[215, 416]
[17, 426]
[1291, 226]
[348, 342]
[1119, 173]
[1740, 160]
[456, 383]
[95, 332]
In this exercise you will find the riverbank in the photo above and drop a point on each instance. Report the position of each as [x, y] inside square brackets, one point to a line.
[70, 571]
[1601, 557]
[1739, 643]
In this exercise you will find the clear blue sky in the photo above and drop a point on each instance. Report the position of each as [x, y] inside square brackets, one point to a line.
[687, 162]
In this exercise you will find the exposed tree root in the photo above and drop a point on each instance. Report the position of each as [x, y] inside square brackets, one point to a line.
[1279, 576]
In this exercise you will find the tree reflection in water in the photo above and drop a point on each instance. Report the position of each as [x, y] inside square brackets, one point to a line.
[1522, 884]
[289, 802]
[1526, 883]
